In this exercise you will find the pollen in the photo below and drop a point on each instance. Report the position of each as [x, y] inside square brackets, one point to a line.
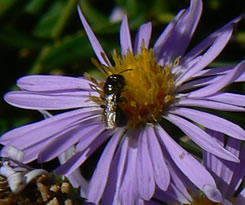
[148, 89]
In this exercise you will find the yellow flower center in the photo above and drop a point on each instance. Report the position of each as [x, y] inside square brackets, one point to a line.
[148, 86]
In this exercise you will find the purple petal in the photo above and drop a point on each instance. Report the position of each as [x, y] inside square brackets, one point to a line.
[208, 104]
[222, 170]
[161, 172]
[116, 173]
[175, 39]
[172, 195]
[92, 136]
[213, 193]
[129, 190]
[67, 138]
[241, 78]
[238, 175]
[93, 40]
[144, 168]
[125, 38]
[204, 140]
[100, 175]
[215, 44]
[197, 83]
[166, 34]
[45, 128]
[221, 83]
[212, 122]
[52, 83]
[73, 163]
[179, 183]
[184, 161]
[143, 34]
[76, 179]
[34, 137]
[45, 101]
[229, 98]
[213, 71]
[80, 157]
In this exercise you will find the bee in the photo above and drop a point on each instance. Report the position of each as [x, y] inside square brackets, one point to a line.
[110, 95]
[114, 115]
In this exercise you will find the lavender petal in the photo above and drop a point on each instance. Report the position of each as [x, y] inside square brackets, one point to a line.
[229, 98]
[208, 104]
[215, 44]
[144, 168]
[100, 53]
[45, 101]
[184, 161]
[161, 172]
[44, 83]
[212, 122]
[125, 38]
[200, 137]
[221, 83]
[100, 175]
[143, 34]
[179, 34]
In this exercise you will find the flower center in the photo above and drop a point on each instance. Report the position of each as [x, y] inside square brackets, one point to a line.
[148, 88]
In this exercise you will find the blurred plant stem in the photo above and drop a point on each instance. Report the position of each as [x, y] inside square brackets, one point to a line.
[69, 8]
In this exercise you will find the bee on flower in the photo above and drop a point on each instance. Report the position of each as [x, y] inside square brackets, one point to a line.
[162, 83]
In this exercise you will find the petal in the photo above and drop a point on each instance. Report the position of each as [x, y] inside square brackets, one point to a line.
[52, 83]
[93, 40]
[175, 39]
[143, 34]
[80, 157]
[161, 172]
[238, 175]
[144, 168]
[129, 190]
[76, 179]
[200, 137]
[229, 98]
[47, 127]
[45, 101]
[125, 38]
[222, 170]
[100, 176]
[184, 161]
[212, 122]
[214, 43]
[220, 83]
[116, 173]
[208, 104]
[212, 193]
[65, 140]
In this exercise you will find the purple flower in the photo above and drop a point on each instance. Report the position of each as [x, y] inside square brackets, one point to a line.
[164, 82]
[228, 177]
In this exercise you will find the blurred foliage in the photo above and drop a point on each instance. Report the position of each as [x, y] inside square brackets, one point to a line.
[46, 37]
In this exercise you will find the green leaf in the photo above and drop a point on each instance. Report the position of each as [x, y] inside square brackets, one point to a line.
[35, 6]
[48, 21]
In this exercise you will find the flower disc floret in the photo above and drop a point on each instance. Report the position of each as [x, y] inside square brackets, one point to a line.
[148, 86]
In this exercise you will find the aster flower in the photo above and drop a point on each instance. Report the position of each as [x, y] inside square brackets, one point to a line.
[164, 82]
[228, 176]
